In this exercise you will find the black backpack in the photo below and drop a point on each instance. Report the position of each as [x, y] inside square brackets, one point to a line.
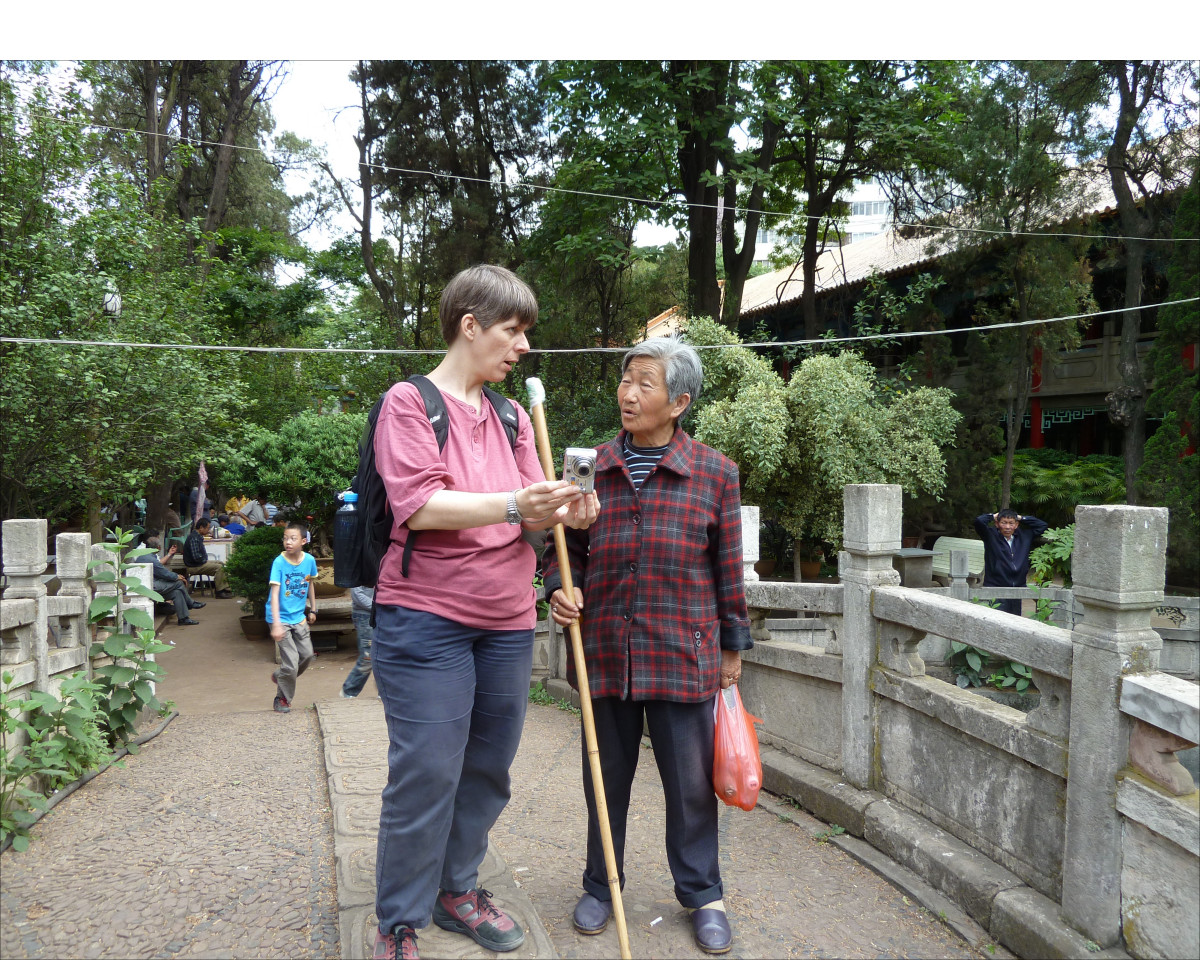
[375, 513]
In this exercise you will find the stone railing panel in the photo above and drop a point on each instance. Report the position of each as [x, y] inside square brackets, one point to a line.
[1034, 644]
[820, 598]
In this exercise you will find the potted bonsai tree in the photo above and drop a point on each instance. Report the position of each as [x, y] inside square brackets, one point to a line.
[809, 556]
[249, 571]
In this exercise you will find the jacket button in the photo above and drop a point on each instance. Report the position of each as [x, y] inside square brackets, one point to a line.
[637, 518]
[696, 634]
[633, 567]
[628, 615]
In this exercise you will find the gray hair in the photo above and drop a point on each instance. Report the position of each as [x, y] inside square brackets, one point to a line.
[680, 364]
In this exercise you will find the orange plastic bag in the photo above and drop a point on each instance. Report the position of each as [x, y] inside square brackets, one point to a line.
[737, 769]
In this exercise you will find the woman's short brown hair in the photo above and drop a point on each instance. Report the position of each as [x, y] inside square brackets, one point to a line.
[490, 294]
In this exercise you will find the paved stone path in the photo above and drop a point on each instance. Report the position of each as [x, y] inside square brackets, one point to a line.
[215, 840]
[220, 839]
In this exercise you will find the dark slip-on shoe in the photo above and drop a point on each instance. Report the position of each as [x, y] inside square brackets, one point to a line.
[591, 915]
[711, 929]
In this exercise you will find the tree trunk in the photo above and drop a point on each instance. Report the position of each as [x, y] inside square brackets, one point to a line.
[1016, 413]
[236, 113]
[158, 498]
[697, 159]
[1136, 83]
[1127, 403]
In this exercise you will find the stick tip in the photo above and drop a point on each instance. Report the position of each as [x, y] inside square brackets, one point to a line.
[537, 393]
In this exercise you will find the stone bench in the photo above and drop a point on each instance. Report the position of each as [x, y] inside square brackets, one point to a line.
[941, 557]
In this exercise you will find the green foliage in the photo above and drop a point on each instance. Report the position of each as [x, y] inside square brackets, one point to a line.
[1169, 476]
[1051, 485]
[1052, 560]
[125, 687]
[28, 757]
[973, 667]
[309, 459]
[73, 719]
[249, 566]
[539, 695]
[47, 741]
[89, 424]
[825, 835]
[798, 443]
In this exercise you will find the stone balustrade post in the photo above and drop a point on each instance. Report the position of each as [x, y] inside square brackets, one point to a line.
[145, 574]
[871, 534]
[960, 571]
[750, 553]
[72, 553]
[1118, 570]
[24, 549]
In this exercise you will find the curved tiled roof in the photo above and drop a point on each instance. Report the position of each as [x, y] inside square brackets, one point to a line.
[889, 252]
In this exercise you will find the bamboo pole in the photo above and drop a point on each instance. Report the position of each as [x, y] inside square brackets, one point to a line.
[537, 396]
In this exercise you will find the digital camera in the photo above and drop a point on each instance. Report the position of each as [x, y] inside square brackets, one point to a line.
[579, 468]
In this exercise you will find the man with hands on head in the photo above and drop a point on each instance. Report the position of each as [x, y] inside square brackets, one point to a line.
[1006, 548]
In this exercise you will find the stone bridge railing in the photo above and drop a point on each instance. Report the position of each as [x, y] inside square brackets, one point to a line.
[1061, 831]
[44, 631]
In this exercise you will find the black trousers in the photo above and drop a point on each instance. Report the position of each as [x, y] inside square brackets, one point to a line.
[176, 592]
[682, 736]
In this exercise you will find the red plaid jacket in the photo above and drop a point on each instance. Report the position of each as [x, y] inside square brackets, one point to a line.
[661, 575]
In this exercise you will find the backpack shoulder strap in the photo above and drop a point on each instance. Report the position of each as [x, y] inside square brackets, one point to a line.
[507, 413]
[435, 407]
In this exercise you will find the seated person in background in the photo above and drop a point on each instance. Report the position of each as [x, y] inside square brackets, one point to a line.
[231, 526]
[172, 585]
[235, 503]
[280, 519]
[1006, 549]
[195, 559]
[255, 512]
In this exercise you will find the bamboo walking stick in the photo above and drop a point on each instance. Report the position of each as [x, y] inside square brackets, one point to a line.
[537, 396]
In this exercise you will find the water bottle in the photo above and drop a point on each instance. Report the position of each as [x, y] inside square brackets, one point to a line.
[345, 541]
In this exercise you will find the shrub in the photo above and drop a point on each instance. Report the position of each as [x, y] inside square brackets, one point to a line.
[249, 566]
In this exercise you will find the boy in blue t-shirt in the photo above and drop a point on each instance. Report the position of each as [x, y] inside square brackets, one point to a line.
[291, 574]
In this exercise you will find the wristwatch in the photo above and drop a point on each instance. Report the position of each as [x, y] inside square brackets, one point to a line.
[513, 515]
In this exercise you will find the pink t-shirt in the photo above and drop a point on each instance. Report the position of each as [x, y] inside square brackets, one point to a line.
[481, 577]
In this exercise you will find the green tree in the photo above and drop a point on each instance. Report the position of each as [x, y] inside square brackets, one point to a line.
[734, 139]
[1009, 169]
[308, 460]
[798, 443]
[1170, 473]
[1152, 100]
[86, 425]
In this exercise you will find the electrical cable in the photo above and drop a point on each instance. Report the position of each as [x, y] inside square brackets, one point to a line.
[895, 335]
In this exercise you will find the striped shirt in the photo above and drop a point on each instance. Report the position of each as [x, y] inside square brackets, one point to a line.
[640, 461]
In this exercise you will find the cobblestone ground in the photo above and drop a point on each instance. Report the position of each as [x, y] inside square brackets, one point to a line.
[788, 893]
[216, 840]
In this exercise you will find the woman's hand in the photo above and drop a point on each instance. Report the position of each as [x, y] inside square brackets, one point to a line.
[581, 513]
[731, 668]
[542, 500]
[565, 611]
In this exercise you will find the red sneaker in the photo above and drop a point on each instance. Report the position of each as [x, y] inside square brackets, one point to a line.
[400, 944]
[474, 914]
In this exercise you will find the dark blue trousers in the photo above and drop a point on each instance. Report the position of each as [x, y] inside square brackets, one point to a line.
[682, 735]
[455, 699]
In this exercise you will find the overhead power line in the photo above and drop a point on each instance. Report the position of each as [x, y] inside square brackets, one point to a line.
[641, 201]
[820, 341]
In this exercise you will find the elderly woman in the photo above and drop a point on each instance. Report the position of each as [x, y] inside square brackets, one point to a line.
[453, 644]
[665, 620]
